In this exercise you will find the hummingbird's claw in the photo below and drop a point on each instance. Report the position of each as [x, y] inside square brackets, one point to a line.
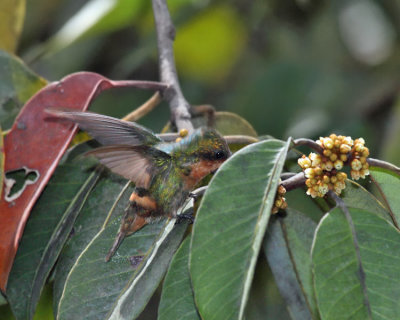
[194, 196]
[185, 216]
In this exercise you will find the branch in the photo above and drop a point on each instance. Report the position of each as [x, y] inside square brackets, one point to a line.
[309, 143]
[235, 139]
[294, 182]
[240, 139]
[173, 94]
[144, 109]
[383, 164]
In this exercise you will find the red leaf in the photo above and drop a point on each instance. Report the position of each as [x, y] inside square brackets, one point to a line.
[35, 143]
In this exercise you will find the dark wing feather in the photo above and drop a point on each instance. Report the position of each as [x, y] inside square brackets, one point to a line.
[108, 130]
[136, 163]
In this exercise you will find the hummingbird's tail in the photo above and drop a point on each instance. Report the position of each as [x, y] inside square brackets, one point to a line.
[117, 242]
[130, 223]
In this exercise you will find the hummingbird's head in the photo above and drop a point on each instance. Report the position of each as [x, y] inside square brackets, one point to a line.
[211, 146]
[202, 153]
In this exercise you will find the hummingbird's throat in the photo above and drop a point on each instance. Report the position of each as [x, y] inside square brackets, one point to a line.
[200, 170]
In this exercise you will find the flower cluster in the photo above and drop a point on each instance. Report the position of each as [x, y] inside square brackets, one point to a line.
[359, 164]
[323, 170]
[280, 201]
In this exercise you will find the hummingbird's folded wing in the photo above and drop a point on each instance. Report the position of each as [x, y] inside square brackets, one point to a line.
[108, 130]
[136, 163]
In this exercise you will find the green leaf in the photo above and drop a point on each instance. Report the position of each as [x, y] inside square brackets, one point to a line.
[147, 278]
[287, 246]
[2, 300]
[356, 196]
[108, 285]
[47, 230]
[347, 287]
[230, 227]
[177, 301]
[110, 191]
[299, 201]
[12, 14]
[17, 85]
[388, 184]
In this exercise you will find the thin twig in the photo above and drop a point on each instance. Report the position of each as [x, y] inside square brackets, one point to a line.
[340, 203]
[383, 164]
[144, 109]
[235, 139]
[309, 143]
[168, 137]
[240, 139]
[140, 84]
[294, 182]
[173, 94]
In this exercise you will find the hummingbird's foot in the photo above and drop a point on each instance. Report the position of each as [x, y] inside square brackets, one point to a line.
[194, 196]
[185, 216]
[281, 214]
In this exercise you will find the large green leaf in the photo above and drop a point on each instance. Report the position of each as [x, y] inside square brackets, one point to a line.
[230, 227]
[388, 184]
[356, 282]
[12, 14]
[107, 200]
[356, 196]
[17, 85]
[46, 231]
[288, 249]
[147, 278]
[177, 301]
[109, 286]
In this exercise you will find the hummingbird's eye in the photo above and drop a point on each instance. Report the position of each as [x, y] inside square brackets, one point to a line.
[220, 155]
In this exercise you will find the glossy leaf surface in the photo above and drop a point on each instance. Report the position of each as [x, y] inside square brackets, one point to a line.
[177, 300]
[288, 249]
[17, 84]
[389, 184]
[47, 230]
[230, 227]
[358, 282]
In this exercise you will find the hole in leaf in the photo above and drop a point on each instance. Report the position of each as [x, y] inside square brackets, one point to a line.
[17, 180]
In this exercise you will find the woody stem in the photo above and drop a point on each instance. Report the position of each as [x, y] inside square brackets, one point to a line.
[173, 94]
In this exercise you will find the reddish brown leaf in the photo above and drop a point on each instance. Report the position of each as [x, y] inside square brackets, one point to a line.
[37, 144]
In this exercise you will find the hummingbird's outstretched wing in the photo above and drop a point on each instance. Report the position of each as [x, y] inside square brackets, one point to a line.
[108, 130]
[136, 163]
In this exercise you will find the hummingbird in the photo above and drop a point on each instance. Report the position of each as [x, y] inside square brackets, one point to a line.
[164, 174]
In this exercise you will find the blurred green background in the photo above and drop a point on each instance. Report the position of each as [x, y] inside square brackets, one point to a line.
[298, 68]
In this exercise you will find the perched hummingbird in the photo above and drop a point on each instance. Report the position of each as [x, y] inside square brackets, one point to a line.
[163, 173]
